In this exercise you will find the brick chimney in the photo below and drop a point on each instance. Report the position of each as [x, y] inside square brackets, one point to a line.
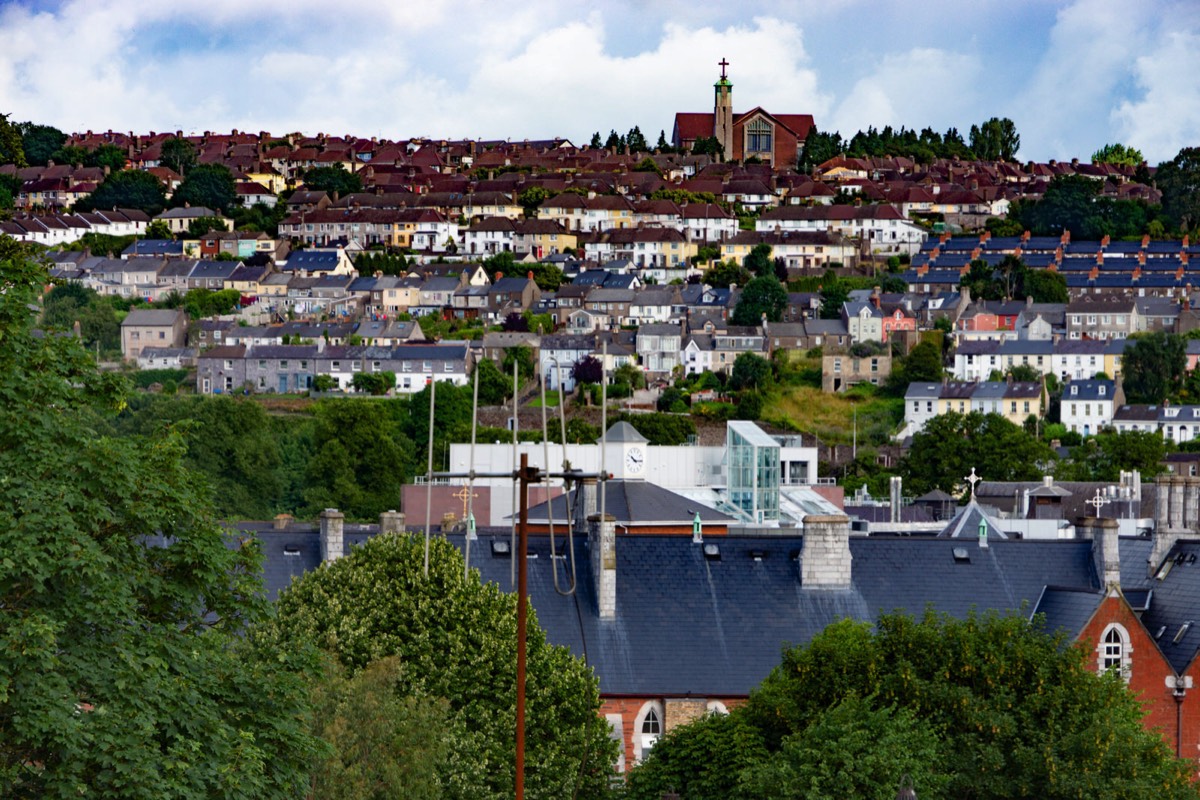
[602, 543]
[332, 540]
[825, 557]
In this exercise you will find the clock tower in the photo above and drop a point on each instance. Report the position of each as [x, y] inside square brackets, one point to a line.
[625, 452]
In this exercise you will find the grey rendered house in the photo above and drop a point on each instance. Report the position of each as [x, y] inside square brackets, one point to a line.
[152, 327]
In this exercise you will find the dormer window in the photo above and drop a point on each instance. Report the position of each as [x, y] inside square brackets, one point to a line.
[1074, 390]
[1102, 388]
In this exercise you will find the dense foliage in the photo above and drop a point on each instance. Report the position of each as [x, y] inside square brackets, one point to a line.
[456, 639]
[952, 444]
[985, 707]
[123, 669]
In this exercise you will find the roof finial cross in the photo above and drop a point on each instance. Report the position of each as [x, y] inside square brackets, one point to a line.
[723, 64]
[1098, 502]
[972, 479]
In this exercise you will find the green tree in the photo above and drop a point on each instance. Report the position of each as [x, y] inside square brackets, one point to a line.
[595, 143]
[1011, 711]
[40, 142]
[376, 383]
[613, 142]
[200, 226]
[635, 141]
[123, 660]
[751, 371]
[702, 760]
[127, 189]
[108, 155]
[178, 154]
[494, 386]
[1044, 286]
[647, 164]
[722, 275]
[819, 147]
[952, 444]
[382, 742]
[662, 145]
[207, 186]
[923, 364]
[1119, 155]
[759, 261]
[360, 458]
[1179, 182]
[531, 200]
[12, 148]
[1153, 365]
[456, 637]
[834, 294]
[1104, 456]
[762, 296]
[523, 356]
[631, 375]
[995, 140]
[158, 229]
[332, 179]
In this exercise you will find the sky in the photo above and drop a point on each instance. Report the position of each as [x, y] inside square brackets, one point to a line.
[1073, 76]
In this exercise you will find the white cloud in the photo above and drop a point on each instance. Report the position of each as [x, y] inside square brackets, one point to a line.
[922, 87]
[1167, 115]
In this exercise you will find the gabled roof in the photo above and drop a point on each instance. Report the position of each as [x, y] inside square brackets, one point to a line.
[967, 521]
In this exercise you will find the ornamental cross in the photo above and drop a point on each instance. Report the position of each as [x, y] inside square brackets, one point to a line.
[723, 64]
[1098, 502]
[972, 479]
[465, 494]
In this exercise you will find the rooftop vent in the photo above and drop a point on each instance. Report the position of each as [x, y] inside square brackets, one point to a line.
[1162, 629]
[1183, 629]
[758, 555]
[291, 551]
[712, 552]
[961, 555]
[500, 549]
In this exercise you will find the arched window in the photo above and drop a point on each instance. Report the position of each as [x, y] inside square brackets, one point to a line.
[758, 136]
[648, 728]
[1114, 650]
[717, 707]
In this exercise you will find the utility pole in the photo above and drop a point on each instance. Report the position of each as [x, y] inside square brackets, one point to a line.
[526, 476]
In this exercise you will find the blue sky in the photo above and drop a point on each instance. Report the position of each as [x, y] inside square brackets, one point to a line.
[1072, 75]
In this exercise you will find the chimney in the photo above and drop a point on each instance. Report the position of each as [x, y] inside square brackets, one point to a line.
[602, 542]
[499, 275]
[281, 521]
[332, 542]
[825, 557]
[1105, 549]
[896, 495]
[391, 522]
[585, 502]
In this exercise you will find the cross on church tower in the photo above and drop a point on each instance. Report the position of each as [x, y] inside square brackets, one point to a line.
[465, 494]
[1098, 502]
[972, 479]
[723, 64]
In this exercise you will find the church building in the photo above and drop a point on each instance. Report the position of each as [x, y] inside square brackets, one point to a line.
[775, 139]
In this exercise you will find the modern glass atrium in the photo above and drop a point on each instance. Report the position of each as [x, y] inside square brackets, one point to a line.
[752, 464]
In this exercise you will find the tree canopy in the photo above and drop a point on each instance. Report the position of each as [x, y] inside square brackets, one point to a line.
[1153, 365]
[12, 149]
[127, 189]
[995, 140]
[1075, 203]
[456, 639]
[332, 179]
[208, 186]
[178, 154]
[952, 444]
[1119, 155]
[762, 296]
[40, 142]
[1179, 182]
[124, 671]
[988, 707]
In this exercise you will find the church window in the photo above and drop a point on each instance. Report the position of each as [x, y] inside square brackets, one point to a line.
[648, 728]
[1115, 650]
[758, 133]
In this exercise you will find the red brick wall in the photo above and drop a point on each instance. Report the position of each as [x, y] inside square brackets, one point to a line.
[630, 707]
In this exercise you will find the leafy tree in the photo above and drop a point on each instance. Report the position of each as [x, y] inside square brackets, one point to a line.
[672, 400]
[995, 140]
[631, 375]
[178, 154]
[923, 364]
[708, 145]
[834, 293]
[759, 261]
[1119, 155]
[531, 199]
[751, 371]
[332, 179]
[360, 458]
[722, 275]
[1179, 182]
[376, 383]
[702, 760]
[647, 165]
[1004, 711]
[107, 155]
[1003, 226]
[125, 667]
[69, 303]
[660, 429]
[762, 296]
[72, 154]
[158, 229]
[595, 143]
[951, 444]
[1153, 365]
[613, 142]
[587, 370]
[819, 147]
[207, 186]
[1104, 456]
[12, 148]
[456, 638]
[1044, 286]
[494, 386]
[127, 189]
[383, 743]
[202, 225]
[635, 141]
[663, 146]
[40, 142]
[522, 355]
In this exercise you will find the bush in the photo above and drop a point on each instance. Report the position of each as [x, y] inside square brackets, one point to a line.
[145, 377]
[716, 411]
[749, 404]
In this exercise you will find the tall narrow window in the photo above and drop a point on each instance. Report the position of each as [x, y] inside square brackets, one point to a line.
[648, 727]
[1114, 651]
[758, 135]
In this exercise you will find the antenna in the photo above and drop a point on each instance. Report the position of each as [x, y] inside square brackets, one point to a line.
[516, 418]
[566, 466]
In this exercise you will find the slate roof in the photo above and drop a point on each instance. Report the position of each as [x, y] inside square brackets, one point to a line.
[966, 522]
[1176, 604]
[638, 503]
[1067, 609]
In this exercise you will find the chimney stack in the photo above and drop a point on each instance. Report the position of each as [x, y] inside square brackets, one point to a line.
[825, 557]
[1105, 549]
[281, 522]
[896, 495]
[332, 540]
[391, 522]
[602, 542]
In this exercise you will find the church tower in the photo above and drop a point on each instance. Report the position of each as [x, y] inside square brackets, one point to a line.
[723, 112]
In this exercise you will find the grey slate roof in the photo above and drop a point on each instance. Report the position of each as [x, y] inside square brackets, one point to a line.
[1067, 609]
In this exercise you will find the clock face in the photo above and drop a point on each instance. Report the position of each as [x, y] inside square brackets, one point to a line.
[635, 460]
